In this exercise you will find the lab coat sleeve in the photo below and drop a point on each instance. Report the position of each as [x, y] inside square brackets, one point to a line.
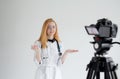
[39, 46]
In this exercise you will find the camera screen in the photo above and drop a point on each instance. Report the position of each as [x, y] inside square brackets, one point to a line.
[91, 30]
[104, 31]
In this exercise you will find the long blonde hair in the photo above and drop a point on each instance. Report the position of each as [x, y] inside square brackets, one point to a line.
[43, 37]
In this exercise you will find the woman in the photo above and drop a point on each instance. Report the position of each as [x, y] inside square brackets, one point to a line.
[49, 52]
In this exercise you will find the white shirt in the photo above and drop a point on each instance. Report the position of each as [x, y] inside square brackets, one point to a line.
[49, 55]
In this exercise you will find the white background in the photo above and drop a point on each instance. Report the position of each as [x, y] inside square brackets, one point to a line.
[20, 26]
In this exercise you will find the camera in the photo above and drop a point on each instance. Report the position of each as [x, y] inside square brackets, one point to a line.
[104, 30]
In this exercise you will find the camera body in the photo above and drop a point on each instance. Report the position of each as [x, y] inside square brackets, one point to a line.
[104, 30]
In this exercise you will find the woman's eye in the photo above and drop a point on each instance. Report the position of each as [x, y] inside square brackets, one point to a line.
[50, 27]
[53, 26]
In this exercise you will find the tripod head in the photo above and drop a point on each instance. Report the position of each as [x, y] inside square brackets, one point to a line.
[101, 45]
[104, 31]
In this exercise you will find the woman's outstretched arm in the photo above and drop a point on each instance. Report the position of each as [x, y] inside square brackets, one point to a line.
[64, 56]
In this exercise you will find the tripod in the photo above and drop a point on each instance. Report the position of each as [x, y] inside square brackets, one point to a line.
[101, 64]
[104, 30]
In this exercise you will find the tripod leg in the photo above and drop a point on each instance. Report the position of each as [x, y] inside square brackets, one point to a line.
[98, 75]
[90, 72]
[112, 72]
[114, 75]
[107, 69]
[106, 75]
[97, 71]
[91, 69]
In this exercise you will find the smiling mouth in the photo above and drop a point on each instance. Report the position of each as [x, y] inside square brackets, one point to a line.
[51, 32]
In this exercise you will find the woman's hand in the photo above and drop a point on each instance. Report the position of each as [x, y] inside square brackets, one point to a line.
[35, 48]
[71, 51]
[66, 52]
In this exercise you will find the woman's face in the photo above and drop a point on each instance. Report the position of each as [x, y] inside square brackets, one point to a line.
[51, 29]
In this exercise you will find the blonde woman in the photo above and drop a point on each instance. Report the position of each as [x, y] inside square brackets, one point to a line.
[49, 54]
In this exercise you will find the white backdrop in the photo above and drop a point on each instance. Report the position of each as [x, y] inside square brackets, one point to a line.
[20, 26]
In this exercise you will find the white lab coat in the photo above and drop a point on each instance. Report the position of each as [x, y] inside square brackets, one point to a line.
[50, 62]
